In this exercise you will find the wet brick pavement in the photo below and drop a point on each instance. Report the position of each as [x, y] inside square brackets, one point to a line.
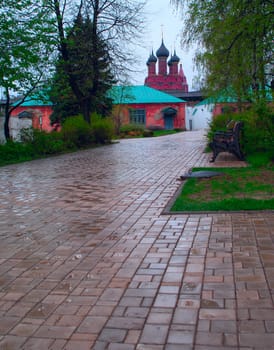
[88, 260]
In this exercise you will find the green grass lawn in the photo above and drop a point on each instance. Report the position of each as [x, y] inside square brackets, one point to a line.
[237, 189]
[158, 133]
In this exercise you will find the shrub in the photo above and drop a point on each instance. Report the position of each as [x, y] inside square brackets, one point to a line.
[148, 133]
[131, 130]
[34, 144]
[76, 132]
[155, 127]
[102, 129]
[47, 143]
[26, 135]
[12, 152]
[219, 123]
[260, 159]
[258, 130]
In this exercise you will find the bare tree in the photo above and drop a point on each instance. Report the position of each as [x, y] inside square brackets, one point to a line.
[120, 23]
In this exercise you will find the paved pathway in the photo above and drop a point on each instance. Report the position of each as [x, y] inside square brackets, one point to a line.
[88, 260]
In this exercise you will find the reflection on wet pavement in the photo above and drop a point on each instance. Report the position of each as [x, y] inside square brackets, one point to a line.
[88, 261]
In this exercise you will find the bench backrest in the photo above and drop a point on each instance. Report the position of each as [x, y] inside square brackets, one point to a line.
[237, 128]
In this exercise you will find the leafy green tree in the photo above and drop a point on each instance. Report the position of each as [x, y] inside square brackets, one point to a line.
[235, 42]
[86, 72]
[26, 36]
[64, 101]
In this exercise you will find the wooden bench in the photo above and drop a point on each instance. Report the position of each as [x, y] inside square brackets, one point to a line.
[227, 141]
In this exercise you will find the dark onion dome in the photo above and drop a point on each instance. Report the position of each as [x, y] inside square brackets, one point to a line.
[175, 58]
[162, 51]
[152, 58]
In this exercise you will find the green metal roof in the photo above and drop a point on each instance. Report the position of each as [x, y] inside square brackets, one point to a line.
[140, 94]
[39, 99]
[229, 96]
[223, 97]
[119, 94]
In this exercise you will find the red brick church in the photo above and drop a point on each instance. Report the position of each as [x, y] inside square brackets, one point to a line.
[169, 75]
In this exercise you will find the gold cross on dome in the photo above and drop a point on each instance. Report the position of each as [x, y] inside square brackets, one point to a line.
[162, 30]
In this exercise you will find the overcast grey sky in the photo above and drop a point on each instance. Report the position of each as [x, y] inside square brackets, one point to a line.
[162, 17]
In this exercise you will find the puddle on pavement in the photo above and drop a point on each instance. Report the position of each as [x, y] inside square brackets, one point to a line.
[41, 311]
[63, 288]
[187, 287]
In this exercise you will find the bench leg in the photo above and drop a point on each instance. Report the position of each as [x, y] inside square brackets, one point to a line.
[215, 152]
[239, 155]
[214, 156]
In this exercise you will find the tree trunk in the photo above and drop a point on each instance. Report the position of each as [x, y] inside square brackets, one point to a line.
[6, 127]
[85, 108]
[7, 116]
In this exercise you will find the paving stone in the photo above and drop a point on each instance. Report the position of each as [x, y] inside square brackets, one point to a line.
[111, 335]
[154, 334]
[185, 316]
[209, 338]
[92, 324]
[159, 317]
[7, 323]
[257, 340]
[180, 337]
[120, 346]
[24, 330]
[165, 300]
[125, 322]
[12, 342]
[54, 332]
[217, 314]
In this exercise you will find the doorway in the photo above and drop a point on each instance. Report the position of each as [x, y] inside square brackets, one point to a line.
[169, 115]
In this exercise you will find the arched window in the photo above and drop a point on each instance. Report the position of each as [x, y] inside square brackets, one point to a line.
[25, 114]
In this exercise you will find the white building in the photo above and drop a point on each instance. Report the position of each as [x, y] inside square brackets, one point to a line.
[199, 116]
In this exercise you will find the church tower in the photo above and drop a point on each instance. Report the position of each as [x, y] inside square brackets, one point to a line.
[162, 53]
[173, 64]
[151, 63]
[173, 79]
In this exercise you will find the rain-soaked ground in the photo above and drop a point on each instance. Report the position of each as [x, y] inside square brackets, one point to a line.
[88, 260]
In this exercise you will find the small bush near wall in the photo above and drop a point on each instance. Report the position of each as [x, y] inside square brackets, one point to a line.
[102, 129]
[148, 133]
[47, 143]
[131, 130]
[220, 123]
[258, 130]
[155, 127]
[75, 134]
[13, 152]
